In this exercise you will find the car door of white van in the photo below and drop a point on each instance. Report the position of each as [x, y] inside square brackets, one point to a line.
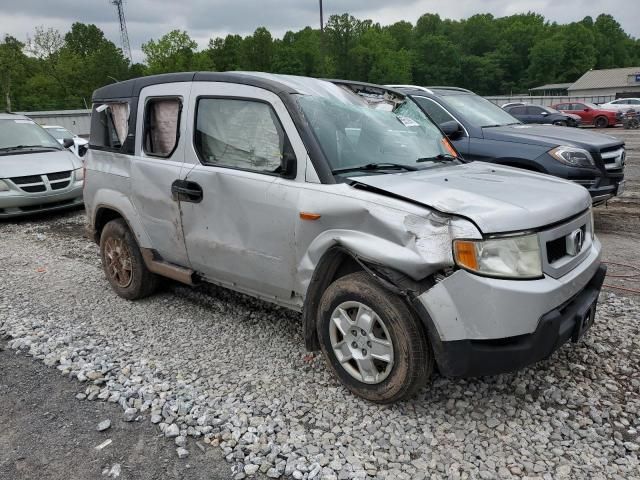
[160, 143]
[239, 231]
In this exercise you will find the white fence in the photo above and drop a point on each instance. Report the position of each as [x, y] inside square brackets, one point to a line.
[548, 101]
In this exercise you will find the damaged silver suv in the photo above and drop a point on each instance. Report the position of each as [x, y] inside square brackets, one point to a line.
[345, 202]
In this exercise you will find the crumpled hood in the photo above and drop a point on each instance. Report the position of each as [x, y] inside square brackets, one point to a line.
[496, 198]
[551, 136]
[37, 163]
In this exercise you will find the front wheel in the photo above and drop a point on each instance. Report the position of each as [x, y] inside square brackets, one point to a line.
[560, 123]
[372, 341]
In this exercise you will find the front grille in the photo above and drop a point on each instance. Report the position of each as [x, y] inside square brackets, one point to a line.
[557, 248]
[613, 157]
[34, 188]
[59, 185]
[25, 180]
[58, 176]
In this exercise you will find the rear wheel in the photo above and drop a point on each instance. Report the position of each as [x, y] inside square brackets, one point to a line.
[601, 122]
[372, 341]
[123, 264]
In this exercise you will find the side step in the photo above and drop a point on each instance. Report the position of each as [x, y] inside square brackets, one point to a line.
[155, 264]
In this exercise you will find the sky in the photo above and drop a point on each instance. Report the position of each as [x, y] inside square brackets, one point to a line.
[204, 19]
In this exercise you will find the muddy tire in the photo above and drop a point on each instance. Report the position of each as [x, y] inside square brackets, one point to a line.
[371, 340]
[601, 122]
[123, 264]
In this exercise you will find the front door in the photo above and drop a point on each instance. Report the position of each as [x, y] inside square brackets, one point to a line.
[160, 143]
[240, 231]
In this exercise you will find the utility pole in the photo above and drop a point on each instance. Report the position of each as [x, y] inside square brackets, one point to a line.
[321, 20]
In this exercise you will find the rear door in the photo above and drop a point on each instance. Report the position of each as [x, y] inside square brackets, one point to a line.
[159, 153]
[239, 231]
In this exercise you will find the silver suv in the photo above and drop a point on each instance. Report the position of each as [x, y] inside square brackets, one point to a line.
[343, 201]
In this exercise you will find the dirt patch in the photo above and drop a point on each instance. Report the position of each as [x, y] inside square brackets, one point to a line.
[46, 433]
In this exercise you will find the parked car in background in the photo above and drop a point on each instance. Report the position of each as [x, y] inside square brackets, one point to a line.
[483, 131]
[591, 114]
[37, 174]
[346, 202]
[623, 104]
[542, 115]
[61, 133]
[512, 104]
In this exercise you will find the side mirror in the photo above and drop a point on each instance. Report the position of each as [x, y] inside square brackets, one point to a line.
[83, 149]
[586, 109]
[544, 114]
[67, 142]
[451, 129]
[289, 164]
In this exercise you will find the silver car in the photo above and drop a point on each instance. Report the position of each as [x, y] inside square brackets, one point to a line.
[343, 201]
[37, 174]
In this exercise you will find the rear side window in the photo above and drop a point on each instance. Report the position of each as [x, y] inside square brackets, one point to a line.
[517, 110]
[238, 133]
[435, 111]
[161, 126]
[109, 125]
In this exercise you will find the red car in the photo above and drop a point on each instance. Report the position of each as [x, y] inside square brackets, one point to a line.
[591, 114]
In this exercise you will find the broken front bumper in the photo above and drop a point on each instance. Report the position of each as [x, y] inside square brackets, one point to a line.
[484, 326]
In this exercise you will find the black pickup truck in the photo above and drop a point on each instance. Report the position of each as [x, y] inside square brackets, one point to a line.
[483, 131]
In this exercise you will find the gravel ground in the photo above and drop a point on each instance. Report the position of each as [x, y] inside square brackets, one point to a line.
[232, 372]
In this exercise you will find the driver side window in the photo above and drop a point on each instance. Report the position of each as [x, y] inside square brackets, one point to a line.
[238, 133]
[435, 111]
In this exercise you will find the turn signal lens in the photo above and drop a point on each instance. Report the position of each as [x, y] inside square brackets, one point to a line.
[465, 253]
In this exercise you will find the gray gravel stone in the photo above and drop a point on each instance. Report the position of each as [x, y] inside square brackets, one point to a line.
[103, 425]
[182, 452]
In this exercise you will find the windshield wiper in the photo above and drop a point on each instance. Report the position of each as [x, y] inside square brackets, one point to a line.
[375, 166]
[24, 147]
[441, 157]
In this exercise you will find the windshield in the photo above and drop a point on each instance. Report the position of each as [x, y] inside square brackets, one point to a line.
[550, 110]
[592, 106]
[354, 134]
[480, 111]
[24, 134]
[59, 133]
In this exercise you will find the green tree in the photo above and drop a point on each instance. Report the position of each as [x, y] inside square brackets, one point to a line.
[174, 52]
[12, 68]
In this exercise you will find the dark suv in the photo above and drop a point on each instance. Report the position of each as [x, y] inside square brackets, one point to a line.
[483, 131]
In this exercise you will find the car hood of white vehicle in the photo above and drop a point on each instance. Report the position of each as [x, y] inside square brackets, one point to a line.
[37, 163]
[498, 199]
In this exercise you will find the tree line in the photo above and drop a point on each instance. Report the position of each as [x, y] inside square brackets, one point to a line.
[486, 54]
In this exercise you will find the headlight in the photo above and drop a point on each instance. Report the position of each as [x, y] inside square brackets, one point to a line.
[3, 186]
[572, 156]
[506, 257]
[79, 174]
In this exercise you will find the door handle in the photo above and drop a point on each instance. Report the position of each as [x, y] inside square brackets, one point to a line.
[186, 191]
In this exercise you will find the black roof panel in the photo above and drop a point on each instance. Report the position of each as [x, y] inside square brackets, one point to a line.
[131, 88]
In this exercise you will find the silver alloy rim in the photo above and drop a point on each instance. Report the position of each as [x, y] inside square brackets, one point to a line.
[361, 342]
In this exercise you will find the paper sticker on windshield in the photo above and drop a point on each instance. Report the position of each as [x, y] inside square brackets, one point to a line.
[23, 121]
[408, 122]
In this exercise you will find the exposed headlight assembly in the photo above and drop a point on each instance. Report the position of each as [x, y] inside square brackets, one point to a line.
[3, 186]
[79, 174]
[516, 257]
[573, 156]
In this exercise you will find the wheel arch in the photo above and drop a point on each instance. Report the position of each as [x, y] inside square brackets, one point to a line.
[339, 261]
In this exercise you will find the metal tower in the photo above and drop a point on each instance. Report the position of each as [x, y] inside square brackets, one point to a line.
[124, 36]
